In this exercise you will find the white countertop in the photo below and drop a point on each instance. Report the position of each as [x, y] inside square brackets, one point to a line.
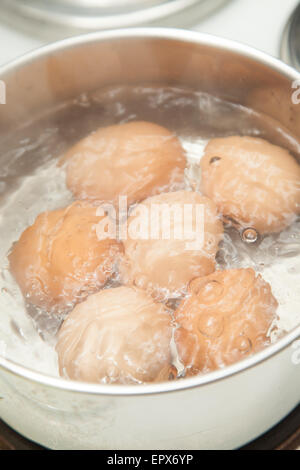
[258, 23]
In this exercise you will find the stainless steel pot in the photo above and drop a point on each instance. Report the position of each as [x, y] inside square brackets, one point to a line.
[63, 18]
[221, 410]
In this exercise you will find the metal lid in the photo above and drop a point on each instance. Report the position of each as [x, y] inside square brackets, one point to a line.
[61, 18]
[290, 45]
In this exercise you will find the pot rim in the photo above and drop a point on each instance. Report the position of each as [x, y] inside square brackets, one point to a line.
[188, 383]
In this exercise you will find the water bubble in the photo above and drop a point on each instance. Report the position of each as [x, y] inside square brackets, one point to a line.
[250, 235]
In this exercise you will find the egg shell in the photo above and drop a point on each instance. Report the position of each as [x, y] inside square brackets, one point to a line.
[253, 183]
[225, 317]
[60, 259]
[135, 159]
[118, 335]
[164, 266]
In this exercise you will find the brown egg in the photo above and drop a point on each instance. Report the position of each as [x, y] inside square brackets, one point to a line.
[137, 160]
[164, 259]
[59, 260]
[253, 182]
[225, 318]
[116, 336]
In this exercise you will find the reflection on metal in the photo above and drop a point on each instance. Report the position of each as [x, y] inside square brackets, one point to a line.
[62, 18]
[290, 45]
[2, 92]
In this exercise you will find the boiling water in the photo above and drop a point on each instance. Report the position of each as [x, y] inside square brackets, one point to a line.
[31, 182]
